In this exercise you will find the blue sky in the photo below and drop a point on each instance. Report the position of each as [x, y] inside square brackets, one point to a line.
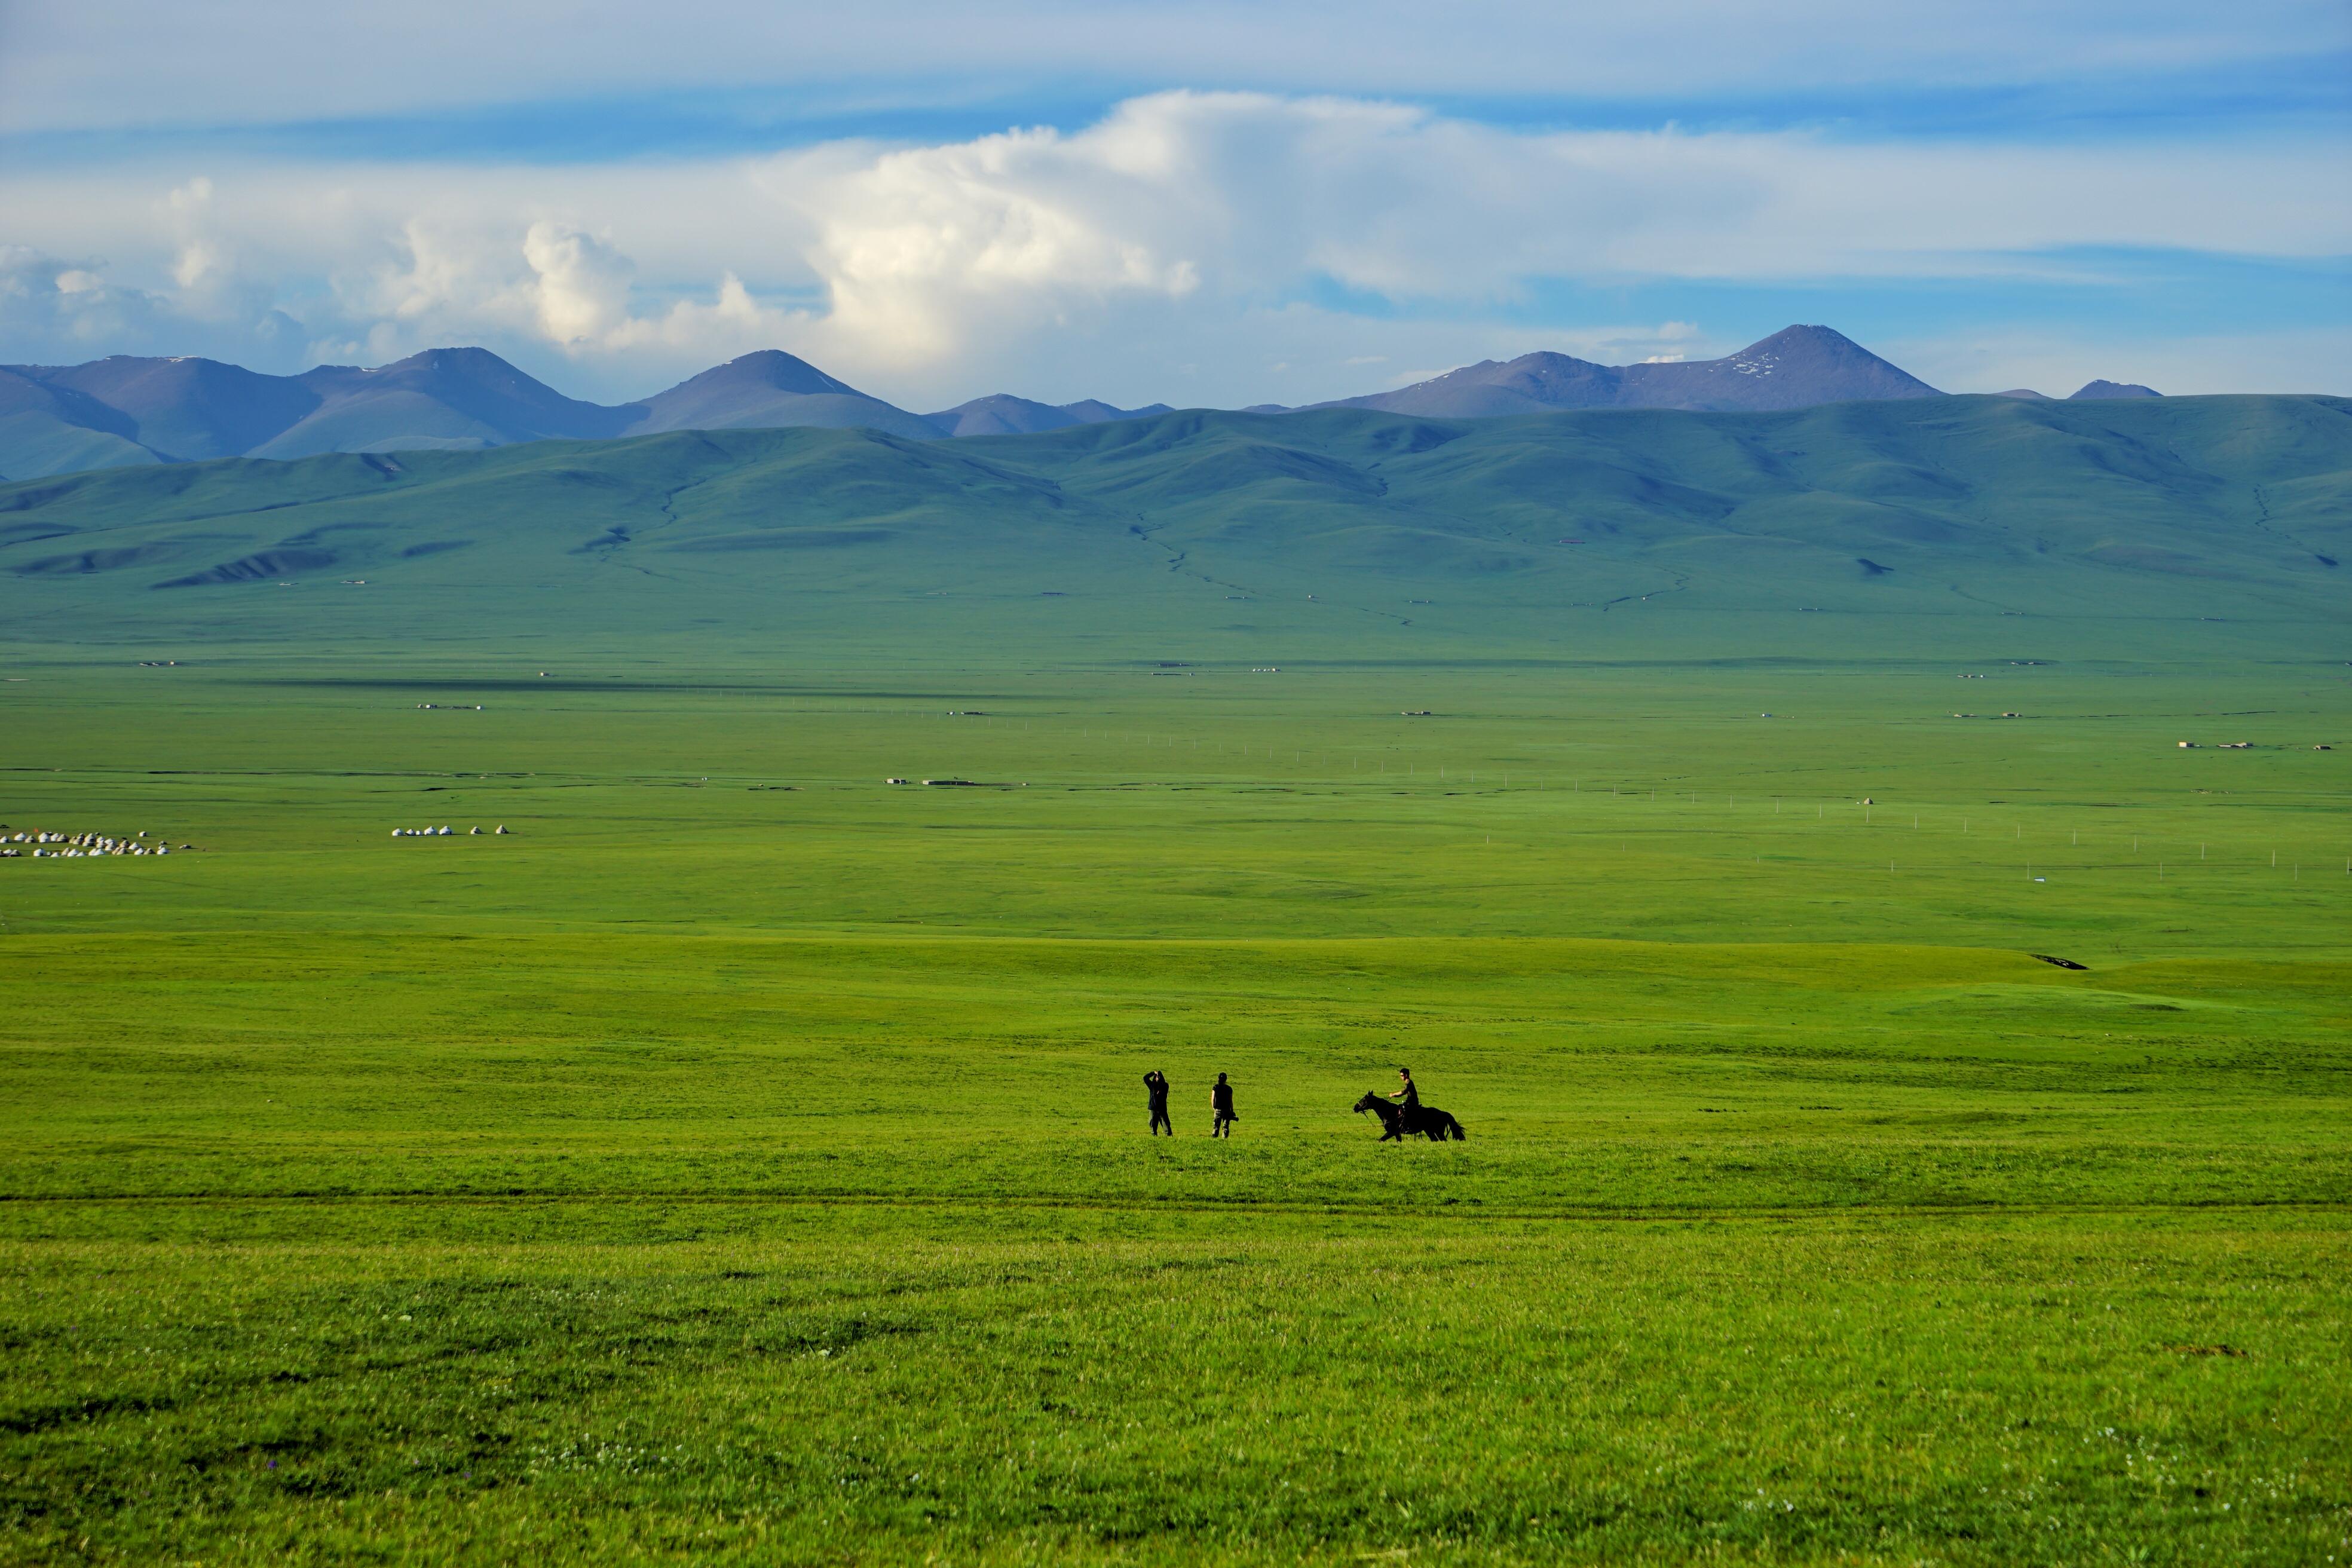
[1200, 204]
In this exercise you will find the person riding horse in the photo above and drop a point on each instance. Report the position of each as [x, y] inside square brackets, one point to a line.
[1409, 1116]
[1435, 1124]
[1411, 1095]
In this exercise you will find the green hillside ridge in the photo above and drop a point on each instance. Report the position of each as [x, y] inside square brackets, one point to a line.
[1332, 534]
[42, 443]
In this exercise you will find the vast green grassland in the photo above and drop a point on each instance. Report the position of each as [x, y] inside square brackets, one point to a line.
[743, 1158]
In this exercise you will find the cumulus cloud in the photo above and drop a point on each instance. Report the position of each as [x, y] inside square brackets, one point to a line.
[581, 285]
[1270, 239]
[918, 246]
[1208, 208]
[61, 308]
[200, 261]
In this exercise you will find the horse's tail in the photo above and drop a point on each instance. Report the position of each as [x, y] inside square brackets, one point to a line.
[1455, 1129]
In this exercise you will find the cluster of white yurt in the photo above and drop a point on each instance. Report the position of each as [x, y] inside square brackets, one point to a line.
[76, 846]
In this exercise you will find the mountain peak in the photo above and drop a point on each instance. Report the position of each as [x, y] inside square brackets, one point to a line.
[470, 363]
[1001, 414]
[1818, 337]
[478, 399]
[770, 389]
[772, 368]
[187, 407]
[1805, 351]
[2109, 389]
[1796, 367]
[462, 356]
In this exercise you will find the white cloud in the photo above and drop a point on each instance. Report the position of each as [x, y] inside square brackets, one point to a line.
[1181, 231]
[201, 261]
[923, 250]
[68, 309]
[581, 283]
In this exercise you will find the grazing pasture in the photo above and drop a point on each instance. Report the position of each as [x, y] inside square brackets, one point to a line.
[745, 1159]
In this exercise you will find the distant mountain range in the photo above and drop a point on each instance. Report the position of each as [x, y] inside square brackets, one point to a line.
[2093, 391]
[126, 411]
[1797, 368]
[1005, 414]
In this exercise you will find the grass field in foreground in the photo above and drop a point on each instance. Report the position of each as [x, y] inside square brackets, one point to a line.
[744, 1157]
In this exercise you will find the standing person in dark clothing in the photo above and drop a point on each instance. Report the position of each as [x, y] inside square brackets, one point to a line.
[1155, 1084]
[1221, 1101]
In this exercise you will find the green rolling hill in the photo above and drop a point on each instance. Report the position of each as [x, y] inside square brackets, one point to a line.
[2171, 527]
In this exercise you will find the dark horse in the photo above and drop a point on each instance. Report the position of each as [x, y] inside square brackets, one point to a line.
[1398, 1123]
